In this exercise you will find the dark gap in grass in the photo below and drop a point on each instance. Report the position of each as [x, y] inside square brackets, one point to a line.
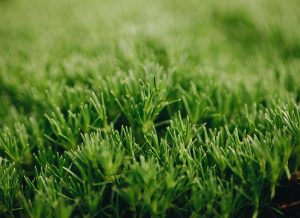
[287, 198]
[121, 122]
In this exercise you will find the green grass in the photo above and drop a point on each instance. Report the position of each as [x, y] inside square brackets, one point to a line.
[147, 108]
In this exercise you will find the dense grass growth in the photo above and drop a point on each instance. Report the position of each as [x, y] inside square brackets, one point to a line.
[148, 108]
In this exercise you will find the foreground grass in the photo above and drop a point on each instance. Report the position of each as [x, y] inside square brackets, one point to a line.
[139, 109]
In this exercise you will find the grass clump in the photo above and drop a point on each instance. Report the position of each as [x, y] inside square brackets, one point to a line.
[149, 109]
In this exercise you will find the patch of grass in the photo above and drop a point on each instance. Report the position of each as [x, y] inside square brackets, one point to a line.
[148, 108]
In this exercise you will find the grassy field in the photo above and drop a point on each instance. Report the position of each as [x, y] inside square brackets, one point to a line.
[139, 108]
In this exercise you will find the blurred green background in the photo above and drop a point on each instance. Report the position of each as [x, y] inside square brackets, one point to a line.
[45, 42]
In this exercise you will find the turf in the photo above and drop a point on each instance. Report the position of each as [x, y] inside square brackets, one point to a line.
[149, 108]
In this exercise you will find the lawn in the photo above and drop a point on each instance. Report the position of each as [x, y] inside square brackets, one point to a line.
[140, 108]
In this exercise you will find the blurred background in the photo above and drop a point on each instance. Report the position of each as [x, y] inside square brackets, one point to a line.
[215, 33]
[42, 42]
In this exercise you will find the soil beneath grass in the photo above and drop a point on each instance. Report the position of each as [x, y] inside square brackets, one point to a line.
[287, 198]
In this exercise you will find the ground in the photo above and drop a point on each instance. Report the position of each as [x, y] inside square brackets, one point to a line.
[139, 108]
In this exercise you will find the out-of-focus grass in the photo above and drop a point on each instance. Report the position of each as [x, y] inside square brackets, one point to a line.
[147, 108]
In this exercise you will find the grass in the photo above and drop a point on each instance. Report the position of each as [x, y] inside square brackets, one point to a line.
[148, 108]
